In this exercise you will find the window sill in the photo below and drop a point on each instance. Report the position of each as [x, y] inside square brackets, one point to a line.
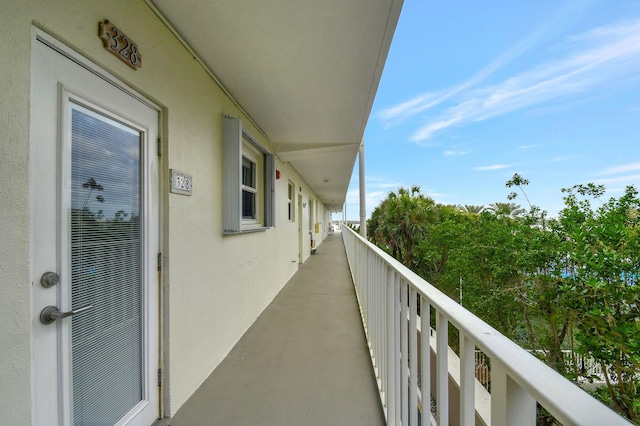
[244, 231]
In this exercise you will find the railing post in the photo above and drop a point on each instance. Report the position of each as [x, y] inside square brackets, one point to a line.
[404, 353]
[425, 360]
[362, 278]
[442, 369]
[397, 288]
[380, 315]
[382, 308]
[413, 355]
[392, 352]
[370, 284]
[385, 312]
[467, 381]
[510, 403]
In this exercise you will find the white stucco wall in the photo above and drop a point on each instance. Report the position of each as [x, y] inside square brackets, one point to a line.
[15, 290]
[214, 286]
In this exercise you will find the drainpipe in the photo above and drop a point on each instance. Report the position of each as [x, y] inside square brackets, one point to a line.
[363, 207]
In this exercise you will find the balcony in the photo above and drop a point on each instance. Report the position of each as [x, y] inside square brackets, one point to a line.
[306, 359]
[303, 361]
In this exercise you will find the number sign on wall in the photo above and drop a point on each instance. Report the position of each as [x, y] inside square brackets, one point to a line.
[116, 42]
[181, 183]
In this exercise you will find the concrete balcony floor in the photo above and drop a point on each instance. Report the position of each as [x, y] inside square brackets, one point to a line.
[303, 362]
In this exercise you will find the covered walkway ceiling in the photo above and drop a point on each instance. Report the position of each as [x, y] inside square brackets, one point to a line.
[305, 71]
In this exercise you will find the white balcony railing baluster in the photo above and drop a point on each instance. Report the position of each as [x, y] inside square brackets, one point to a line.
[404, 352]
[425, 360]
[467, 381]
[392, 350]
[442, 369]
[403, 346]
[413, 355]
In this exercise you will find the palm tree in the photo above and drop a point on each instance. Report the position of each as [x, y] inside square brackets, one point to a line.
[511, 210]
[92, 185]
[378, 229]
[471, 209]
[401, 221]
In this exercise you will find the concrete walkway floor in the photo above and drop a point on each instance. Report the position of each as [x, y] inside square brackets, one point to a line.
[303, 362]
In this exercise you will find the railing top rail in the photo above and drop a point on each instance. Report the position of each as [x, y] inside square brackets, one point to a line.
[562, 398]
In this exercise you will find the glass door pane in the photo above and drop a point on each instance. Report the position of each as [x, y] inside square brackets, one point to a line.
[106, 268]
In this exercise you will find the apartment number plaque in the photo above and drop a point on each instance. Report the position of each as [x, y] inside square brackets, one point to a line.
[117, 42]
[181, 183]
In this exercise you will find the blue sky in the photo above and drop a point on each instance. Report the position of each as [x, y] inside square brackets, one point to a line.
[475, 91]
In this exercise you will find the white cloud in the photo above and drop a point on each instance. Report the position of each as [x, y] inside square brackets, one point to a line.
[624, 168]
[424, 101]
[601, 57]
[560, 158]
[451, 152]
[624, 180]
[409, 108]
[376, 190]
[493, 167]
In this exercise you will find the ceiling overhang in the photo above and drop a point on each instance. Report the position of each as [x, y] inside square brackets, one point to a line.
[306, 72]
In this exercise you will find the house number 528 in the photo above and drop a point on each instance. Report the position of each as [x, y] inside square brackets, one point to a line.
[116, 42]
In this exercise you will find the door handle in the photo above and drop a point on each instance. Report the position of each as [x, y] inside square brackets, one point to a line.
[52, 313]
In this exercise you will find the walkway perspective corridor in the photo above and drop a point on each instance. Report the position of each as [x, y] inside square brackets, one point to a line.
[303, 362]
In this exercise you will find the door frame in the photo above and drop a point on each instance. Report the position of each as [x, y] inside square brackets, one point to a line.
[300, 231]
[42, 37]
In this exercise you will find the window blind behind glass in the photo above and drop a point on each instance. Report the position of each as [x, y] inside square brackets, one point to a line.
[105, 253]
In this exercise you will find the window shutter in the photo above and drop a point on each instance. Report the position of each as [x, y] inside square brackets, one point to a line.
[269, 190]
[232, 168]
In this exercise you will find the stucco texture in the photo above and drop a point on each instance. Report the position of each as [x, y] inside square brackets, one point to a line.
[214, 287]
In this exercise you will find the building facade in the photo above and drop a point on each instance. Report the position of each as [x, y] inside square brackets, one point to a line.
[156, 194]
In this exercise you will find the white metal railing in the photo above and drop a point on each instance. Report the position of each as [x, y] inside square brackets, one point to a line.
[588, 369]
[396, 305]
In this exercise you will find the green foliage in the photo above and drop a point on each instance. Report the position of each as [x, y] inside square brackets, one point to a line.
[471, 209]
[547, 283]
[519, 182]
[605, 395]
[400, 222]
[506, 209]
[605, 247]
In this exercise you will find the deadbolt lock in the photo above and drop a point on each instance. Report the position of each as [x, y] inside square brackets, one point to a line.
[49, 279]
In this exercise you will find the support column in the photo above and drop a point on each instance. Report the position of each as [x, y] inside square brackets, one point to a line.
[363, 207]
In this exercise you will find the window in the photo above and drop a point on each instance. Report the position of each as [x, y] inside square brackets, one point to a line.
[249, 181]
[290, 204]
[249, 189]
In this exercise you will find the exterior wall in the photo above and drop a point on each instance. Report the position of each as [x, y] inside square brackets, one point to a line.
[214, 286]
[15, 288]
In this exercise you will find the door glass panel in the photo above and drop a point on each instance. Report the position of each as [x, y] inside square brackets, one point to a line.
[106, 268]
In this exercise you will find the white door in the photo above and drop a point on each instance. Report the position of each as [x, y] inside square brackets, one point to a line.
[95, 227]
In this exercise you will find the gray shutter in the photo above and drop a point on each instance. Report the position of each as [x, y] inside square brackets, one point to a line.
[231, 174]
[269, 190]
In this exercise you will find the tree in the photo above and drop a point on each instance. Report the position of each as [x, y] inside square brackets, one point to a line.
[400, 222]
[471, 209]
[605, 295]
[448, 231]
[509, 265]
[548, 284]
[92, 185]
[519, 182]
[506, 209]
